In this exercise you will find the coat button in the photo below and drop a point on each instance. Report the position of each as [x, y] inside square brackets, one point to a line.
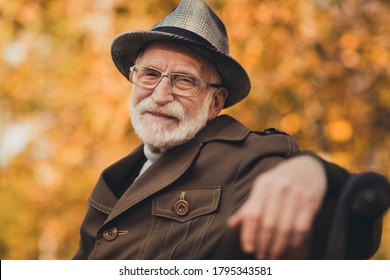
[110, 234]
[182, 207]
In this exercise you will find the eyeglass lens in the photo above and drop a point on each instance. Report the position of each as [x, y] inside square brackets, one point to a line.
[180, 84]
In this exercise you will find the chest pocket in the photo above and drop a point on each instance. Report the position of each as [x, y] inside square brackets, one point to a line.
[181, 220]
[183, 205]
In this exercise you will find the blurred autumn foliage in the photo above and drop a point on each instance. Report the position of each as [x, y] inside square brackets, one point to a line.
[320, 71]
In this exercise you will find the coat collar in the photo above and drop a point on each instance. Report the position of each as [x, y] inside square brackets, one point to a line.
[165, 170]
[225, 128]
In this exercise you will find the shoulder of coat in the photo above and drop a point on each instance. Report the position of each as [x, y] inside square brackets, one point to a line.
[270, 131]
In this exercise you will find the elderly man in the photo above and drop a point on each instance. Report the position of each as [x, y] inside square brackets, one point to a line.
[203, 186]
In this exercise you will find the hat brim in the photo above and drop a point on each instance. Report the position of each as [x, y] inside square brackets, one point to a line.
[126, 46]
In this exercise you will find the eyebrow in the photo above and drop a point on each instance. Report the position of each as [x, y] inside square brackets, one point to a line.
[179, 70]
[183, 70]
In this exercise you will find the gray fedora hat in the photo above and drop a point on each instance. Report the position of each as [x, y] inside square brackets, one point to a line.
[195, 24]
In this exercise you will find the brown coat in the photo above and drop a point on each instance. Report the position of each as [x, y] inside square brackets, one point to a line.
[212, 174]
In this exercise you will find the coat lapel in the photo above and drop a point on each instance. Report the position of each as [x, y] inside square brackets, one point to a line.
[115, 178]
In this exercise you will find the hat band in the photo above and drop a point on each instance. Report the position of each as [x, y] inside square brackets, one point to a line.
[184, 33]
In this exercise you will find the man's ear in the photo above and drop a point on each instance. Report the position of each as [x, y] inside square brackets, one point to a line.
[216, 106]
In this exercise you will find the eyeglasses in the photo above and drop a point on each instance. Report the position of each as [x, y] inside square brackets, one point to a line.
[180, 84]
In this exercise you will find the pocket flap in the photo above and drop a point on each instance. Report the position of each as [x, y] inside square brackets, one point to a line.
[187, 203]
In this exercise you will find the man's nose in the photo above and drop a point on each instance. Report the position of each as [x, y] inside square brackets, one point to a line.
[162, 94]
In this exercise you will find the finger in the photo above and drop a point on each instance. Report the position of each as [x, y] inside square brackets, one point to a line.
[254, 217]
[241, 219]
[281, 236]
[301, 227]
[249, 224]
[266, 227]
[235, 220]
[248, 216]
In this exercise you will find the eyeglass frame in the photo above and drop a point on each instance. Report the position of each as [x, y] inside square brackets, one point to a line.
[203, 84]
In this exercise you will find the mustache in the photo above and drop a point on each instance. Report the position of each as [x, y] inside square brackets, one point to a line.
[172, 109]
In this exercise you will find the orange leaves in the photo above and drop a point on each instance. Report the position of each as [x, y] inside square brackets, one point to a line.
[291, 123]
[339, 130]
[319, 72]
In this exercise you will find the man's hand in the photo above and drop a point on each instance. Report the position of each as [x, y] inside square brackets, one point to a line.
[278, 214]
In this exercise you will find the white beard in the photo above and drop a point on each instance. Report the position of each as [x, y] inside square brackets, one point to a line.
[160, 136]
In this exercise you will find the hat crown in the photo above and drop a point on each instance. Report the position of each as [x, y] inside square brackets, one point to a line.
[196, 25]
[197, 17]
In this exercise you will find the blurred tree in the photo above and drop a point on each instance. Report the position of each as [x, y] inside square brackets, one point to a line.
[320, 71]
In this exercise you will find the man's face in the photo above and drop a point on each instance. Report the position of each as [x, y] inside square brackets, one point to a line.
[161, 119]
